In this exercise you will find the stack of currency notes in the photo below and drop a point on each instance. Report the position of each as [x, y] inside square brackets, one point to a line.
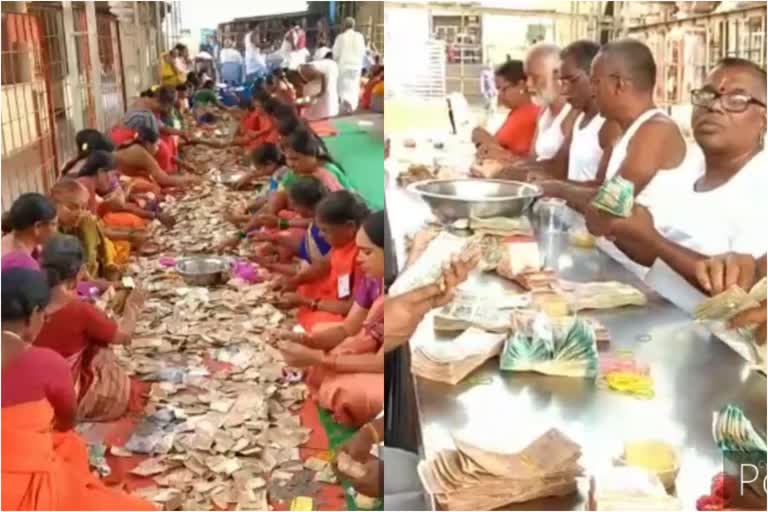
[736, 437]
[533, 281]
[551, 350]
[600, 295]
[473, 478]
[616, 196]
[451, 361]
[520, 254]
[491, 251]
[716, 311]
[501, 226]
[428, 267]
[620, 488]
[471, 311]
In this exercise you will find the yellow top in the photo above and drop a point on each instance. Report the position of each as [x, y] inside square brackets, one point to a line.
[168, 74]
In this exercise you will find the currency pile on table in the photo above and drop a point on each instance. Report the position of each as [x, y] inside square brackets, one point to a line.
[451, 361]
[616, 196]
[471, 478]
[547, 348]
[470, 311]
[600, 295]
[501, 226]
[520, 255]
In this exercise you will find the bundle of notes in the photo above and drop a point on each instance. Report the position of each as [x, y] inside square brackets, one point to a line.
[629, 488]
[520, 254]
[501, 226]
[428, 268]
[471, 478]
[736, 437]
[600, 295]
[451, 361]
[718, 310]
[491, 252]
[467, 310]
[616, 196]
[551, 350]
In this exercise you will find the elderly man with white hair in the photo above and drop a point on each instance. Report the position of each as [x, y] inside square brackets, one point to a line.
[349, 51]
[542, 70]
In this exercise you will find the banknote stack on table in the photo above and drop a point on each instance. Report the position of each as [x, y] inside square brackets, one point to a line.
[451, 361]
[546, 347]
[736, 437]
[471, 478]
[718, 310]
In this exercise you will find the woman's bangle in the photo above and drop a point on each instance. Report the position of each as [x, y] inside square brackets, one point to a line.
[241, 235]
[283, 224]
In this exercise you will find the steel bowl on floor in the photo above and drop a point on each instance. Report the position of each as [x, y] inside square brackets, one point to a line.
[203, 270]
[464, 198]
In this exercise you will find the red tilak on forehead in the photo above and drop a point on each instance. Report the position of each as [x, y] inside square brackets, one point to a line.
[722, 85]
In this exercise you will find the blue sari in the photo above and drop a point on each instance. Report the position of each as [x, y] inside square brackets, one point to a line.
[313, 245]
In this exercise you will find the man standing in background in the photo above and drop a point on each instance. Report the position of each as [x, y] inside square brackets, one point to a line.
[255, 63]
[349, 51]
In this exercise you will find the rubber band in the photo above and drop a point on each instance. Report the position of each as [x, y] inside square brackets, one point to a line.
[639, 386]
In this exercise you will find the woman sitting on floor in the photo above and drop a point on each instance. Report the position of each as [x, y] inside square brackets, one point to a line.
[82, 334]
[26, 227]
[104, 257]
[45, 463]
[324, 289]
[300, 237]
[346, 360]
[257, 127]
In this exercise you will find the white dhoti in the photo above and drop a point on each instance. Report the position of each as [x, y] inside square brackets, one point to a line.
[349, 89]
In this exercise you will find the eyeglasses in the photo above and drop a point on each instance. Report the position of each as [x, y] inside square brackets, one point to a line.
[730, 101]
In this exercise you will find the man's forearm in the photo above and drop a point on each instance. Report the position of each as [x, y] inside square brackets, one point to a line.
[647, 251]
[578, 196]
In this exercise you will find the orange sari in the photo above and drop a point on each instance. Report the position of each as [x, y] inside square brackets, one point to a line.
[343, 265]
[353, 398]
[47, 470]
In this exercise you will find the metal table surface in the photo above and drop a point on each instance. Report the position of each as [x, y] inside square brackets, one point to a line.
[694, 375]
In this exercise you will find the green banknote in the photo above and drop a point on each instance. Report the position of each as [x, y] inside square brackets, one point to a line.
[616, 196]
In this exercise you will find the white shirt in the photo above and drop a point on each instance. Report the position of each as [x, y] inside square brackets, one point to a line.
[254, 59]
[328, 104]
[549, 133]
[728, 218]
[230, 55]
[349, 49]
[320, 53]
[585, 152]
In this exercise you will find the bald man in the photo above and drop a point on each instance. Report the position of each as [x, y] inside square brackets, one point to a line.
[652, 149]
[723, 209]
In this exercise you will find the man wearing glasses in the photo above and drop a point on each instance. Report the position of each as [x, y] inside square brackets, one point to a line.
[723, 210]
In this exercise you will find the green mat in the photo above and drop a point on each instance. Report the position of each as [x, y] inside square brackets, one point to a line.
[362, 156]
[338, 435]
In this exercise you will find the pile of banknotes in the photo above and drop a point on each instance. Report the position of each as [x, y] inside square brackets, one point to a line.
[472, 478]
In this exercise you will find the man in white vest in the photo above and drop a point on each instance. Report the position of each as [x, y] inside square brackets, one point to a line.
[542, 69]
[349, 51]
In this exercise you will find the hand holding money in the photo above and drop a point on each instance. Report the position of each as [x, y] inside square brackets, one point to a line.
[718, 273]
[751, 318]
[616, 196]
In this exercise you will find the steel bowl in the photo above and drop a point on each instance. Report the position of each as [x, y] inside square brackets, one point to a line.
[228, 178]
[203, 270]
[464, 198]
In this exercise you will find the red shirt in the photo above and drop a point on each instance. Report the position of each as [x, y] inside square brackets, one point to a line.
[164, 156]
[37, 374]
[73, 327]
[519, 129]
[257, 122]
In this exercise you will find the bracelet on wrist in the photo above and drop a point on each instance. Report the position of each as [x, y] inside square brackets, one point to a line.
[241, 235]
[283, 224]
